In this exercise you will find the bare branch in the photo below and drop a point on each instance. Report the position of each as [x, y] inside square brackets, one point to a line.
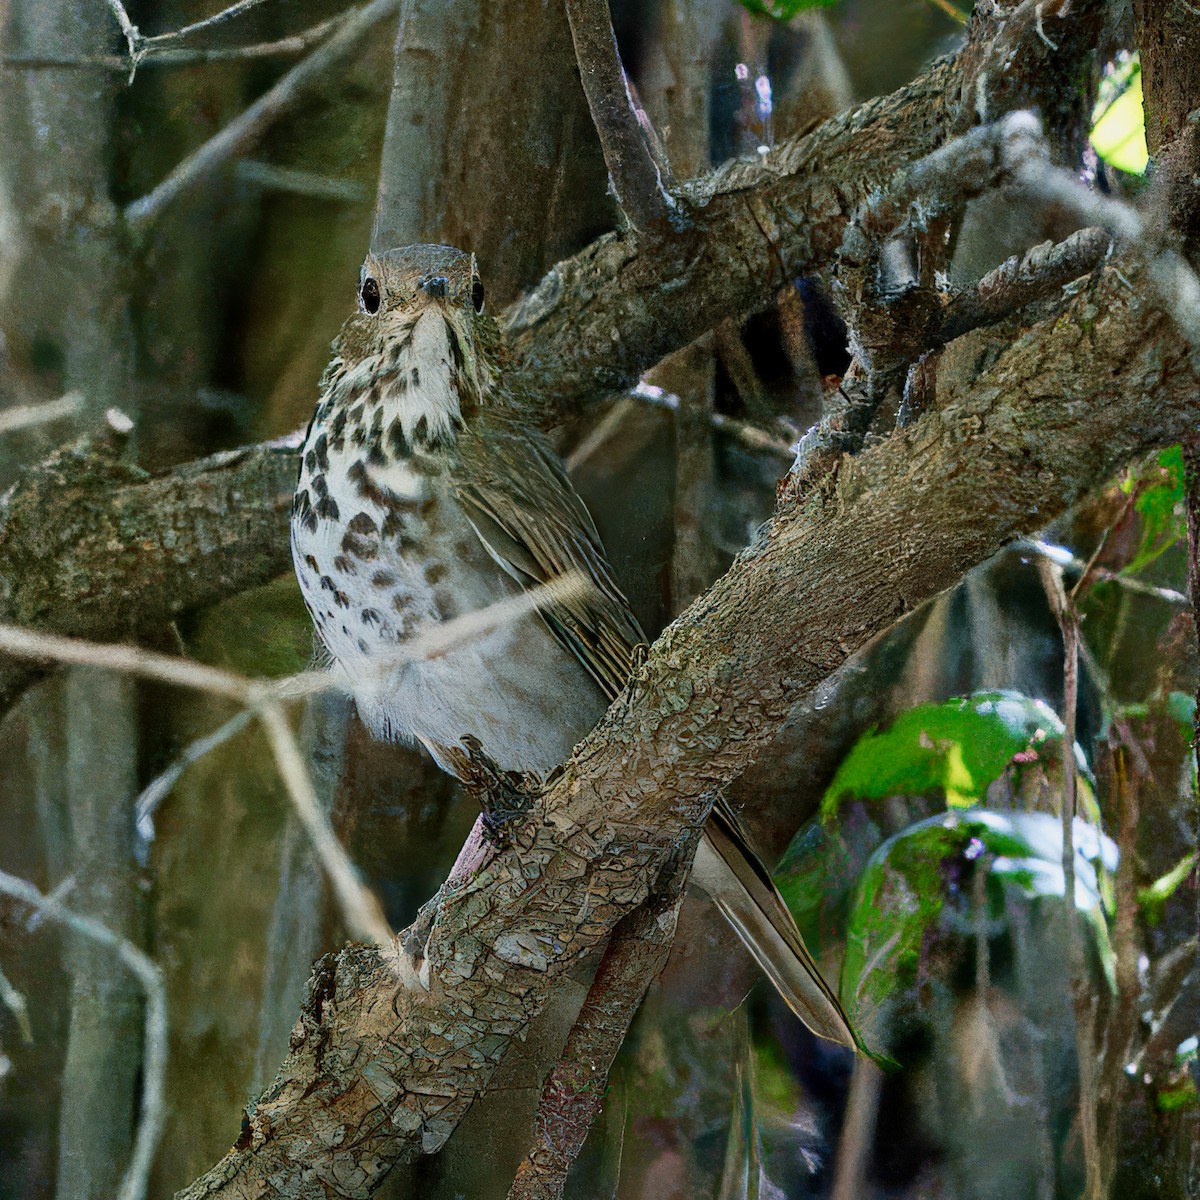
[637, 179]
[574, 1090]
[1038, 274]
[296, 43]
[219, 18]
[154, 1057]
[245, 130]
[22, 416]
[16, 1005]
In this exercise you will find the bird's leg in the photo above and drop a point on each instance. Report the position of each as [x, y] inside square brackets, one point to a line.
[504, 796]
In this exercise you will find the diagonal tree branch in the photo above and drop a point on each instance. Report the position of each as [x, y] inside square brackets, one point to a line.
[1038, 426]
[637, 178]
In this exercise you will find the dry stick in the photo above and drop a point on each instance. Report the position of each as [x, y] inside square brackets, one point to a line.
[1066, 613]
[263, 699]
[226, 14]
[636, 177]
[573, 1093]
[297, 43]
[244, 131]
[359, 907]
[154, 1059]
[24, 415]
[14, 1001]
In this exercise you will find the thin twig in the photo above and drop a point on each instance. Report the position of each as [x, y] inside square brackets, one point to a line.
[244, 130]
[156, 791]
[296, 43]
[1191, 459]
[14, 1001]
[358, 904]
[22, 416]
[133, 39]
[226, 14]
[154, 1057]
[637, 179]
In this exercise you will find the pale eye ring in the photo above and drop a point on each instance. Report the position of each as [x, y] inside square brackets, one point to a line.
[369, 294]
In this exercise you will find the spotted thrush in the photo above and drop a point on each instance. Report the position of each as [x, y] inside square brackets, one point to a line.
[425, 494]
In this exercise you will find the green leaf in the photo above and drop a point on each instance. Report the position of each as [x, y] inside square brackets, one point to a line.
[1181, 708]
[1119, 123]
[957, 747]
[783, 10]
[1151, 899]
[1159, 504]
[902, 894]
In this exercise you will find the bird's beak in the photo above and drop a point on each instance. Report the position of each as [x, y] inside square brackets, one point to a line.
[434, 287]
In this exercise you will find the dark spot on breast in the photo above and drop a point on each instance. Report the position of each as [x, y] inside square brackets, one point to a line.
[397, 442]
[309, 561]
[427, 506]
[394, 530]
[401, 602]
[319, 485]
[328, 584]
[327, 508]
[421, 430]
[343, 564]
[463, 549]
[338, 428]
[382, 579]
[321, 452]
[310, 461]
[447, 610]
[435, 572]
[362, 523]
[370, 616]
[341, 599]
[301, 503]
[361, 547]
[416, 377]
[356, 414]
[375, 455]
[363, 647]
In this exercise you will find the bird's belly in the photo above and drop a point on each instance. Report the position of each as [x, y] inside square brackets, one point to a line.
[380, 565]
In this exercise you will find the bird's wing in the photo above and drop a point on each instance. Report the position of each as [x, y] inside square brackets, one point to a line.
[516, 494]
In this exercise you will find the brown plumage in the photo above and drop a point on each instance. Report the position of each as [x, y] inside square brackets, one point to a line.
[423, 495]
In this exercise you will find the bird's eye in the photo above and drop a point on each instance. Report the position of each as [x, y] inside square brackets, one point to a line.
[477, 295]
[369, 294]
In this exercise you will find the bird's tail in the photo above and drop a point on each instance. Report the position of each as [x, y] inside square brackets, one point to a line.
[730, 871]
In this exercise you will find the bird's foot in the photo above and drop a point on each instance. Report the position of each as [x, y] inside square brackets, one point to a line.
[504, 796]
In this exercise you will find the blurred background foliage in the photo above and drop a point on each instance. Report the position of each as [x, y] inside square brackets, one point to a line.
[1045, 1044]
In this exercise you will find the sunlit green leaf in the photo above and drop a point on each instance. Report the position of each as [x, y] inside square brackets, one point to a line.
[1119, 126]
[957, 747]
[1152, 898]
[903, 892]
[1159, 505]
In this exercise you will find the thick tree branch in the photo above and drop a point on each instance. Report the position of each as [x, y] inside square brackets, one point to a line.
[94, 548]
[574, 1090]
[1058, 409]
[597, 321]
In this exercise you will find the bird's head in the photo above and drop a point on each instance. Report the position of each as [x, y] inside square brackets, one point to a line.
[417, 291]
